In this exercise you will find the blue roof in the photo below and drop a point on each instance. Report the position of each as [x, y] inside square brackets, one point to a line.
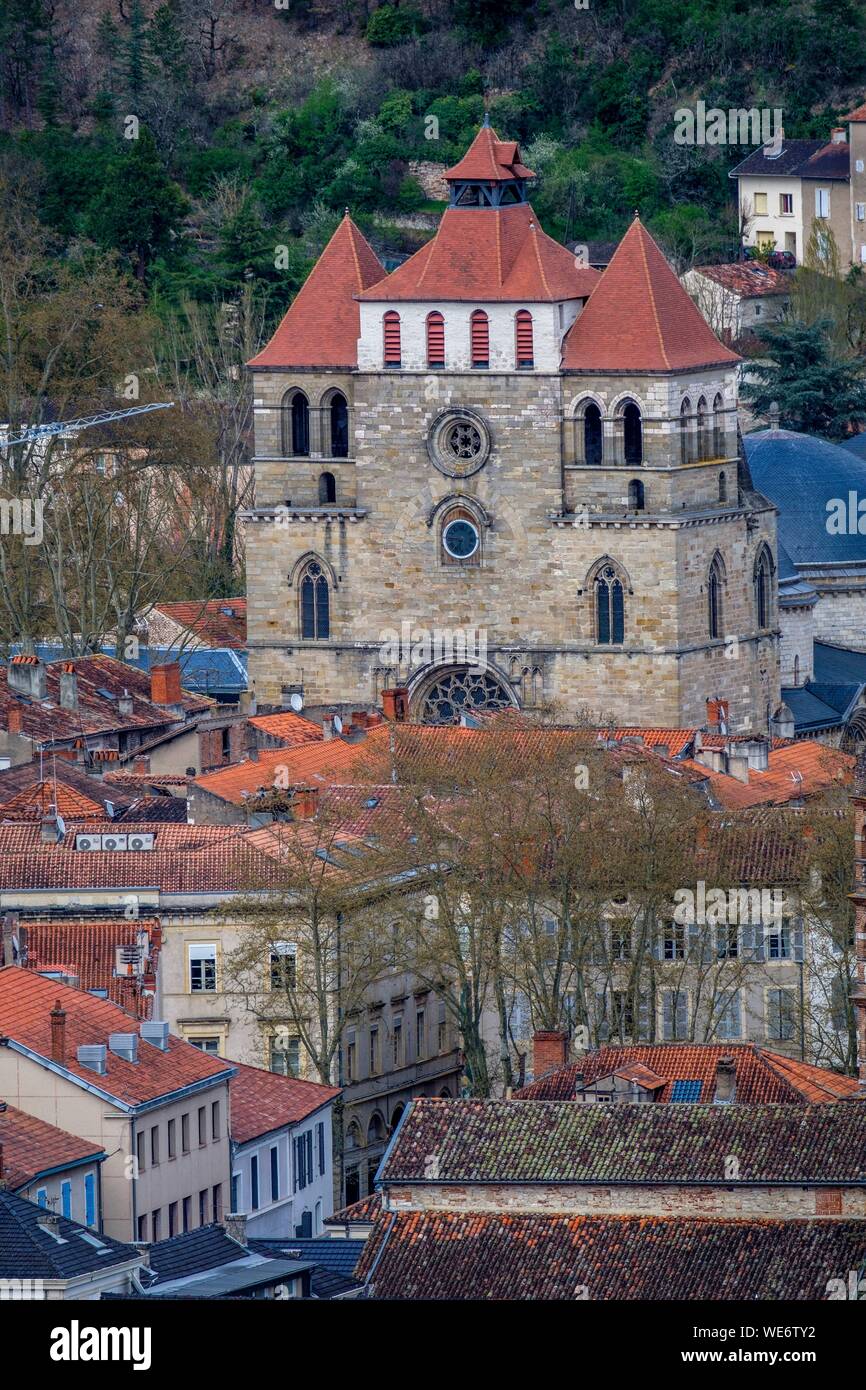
[810, 713]
[204, 671]
[856, 444]
[689, 1091]
[802, 475]
[839, 665]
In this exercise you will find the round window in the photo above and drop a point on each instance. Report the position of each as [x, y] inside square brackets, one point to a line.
[460, 539]
[458, 443]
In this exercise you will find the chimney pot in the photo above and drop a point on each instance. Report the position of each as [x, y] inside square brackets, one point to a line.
[165, 684]
[235, 1223]
[58, 1033]
[395, 704]
[549, 1052]
[15, 719]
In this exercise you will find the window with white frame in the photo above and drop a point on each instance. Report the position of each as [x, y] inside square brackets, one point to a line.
[781, 1009]
[822, 202]
[730, 1023]
[860, 211]
[786, 204]
[778, 940]
[760, 204]
[202, 967]
[283, 964]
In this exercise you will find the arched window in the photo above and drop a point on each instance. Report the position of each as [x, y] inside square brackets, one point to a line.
[685, 431]
[397, 1116]
[295, 415]
[715, 581]
[703, 435]
[460, 537]
[723, 488]
[479, 339]
[391, 332]
[435, 340]
[375, 1129]
[592, 433]
[339, 427]
[632, 434]
[523, 338]
[327, 489]
[315, 603]
[718, 428]
[609, 607]
[763, 579]
[635, 495]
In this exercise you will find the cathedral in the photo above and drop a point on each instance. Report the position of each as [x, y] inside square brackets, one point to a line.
[497, 478]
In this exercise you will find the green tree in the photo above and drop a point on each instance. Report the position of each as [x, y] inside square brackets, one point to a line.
[816, 391]
[139, 210]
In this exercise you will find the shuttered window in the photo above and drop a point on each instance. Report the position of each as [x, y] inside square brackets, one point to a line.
[523, 334]
[392, 339]
[480, 339]
[435, 340]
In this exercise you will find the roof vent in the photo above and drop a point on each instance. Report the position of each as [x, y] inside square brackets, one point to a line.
[93, 1057]
[124, 1045]
[156, 1033]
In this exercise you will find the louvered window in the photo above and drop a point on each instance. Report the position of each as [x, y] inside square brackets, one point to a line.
[435, 340]
[392, 339]
[480, 339]
[523, 334]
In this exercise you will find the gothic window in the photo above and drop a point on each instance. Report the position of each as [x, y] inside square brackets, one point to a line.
[435, 340]
[460, 692]
[339, 427]
[715, 582]
[718, 428]
[391, 333]
[479, 338]
[723, 488]
[632, 434]
[685, 428]
[315, 603]
[763, 577]
[635, 495]
[327, 489]
[592, 434]
[703, 435]
[295, 417]
[609, 607]
[460, 538]
[523, 338]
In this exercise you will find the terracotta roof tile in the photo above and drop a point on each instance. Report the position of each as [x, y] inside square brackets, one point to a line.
[322, 326]
[489, 159]
[43, 797]
[640, 318]
[357, 1213]
[794, 770]
[88, 951]
[762, 1077]
[262, 1101]
[32, 1147]
[748, 279]
[219, 622]
[288, 726]
[316, 761]
[26, 1001]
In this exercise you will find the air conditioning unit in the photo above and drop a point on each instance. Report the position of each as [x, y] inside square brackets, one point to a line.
[140, 841]
[114, 841]
[88, 842]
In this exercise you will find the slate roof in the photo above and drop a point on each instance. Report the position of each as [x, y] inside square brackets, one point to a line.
[856, 443]
[192, 1252]
[209, 1263]
[28, 1252]
[219, 622]
[26, 1001]
[154, 810]
[444, 1255]
[640, 319]
[262, 1101]
[811, 715]
[800, 475]
[549, 1142]
[488, 255]
[322, 326]
[335, 1260]
[832, 161]
[790, 161]
[32, 1147]
[763, 1077]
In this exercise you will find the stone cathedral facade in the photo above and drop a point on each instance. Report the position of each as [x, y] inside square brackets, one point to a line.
[524, 470]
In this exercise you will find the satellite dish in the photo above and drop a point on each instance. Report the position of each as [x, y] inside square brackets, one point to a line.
[338, 724]
[297, 703]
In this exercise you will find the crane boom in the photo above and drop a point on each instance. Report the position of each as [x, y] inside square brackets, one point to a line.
[82, 423]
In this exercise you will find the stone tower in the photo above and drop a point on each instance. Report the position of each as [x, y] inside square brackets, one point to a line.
[501, 479]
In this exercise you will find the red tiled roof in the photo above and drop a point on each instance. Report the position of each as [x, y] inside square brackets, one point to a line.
[763, 1077]
[640, 318]
[316, 761]
[747, 279]
[858, 114]
[357, 1213]
[675, 740]
[290, 727]
[492, 1255]
[210, 620]
[262, 1101]
[37, 801]
[488, 254]
[322, 326]
[88, 950]
[794, 770]
[490, 160]
[32, 1147]
[26, 1001]
[68, 774]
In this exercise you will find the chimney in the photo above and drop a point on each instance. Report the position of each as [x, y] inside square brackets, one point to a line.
[757, 750]
[838, 135]
[68, 686]
[305, 802]
[165, 684]
[726, 1081]
[247, 703]
[141, 763]
[395, 704]
[26, 676]
[58, 1033]
[7, 952]
[359, 717]
[738, 766]
[717, 716]
[549, 1052]
[327, 726]
[773, 415]
[52, 829]
[124, 704]
[15, 719]
[235, 1223]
